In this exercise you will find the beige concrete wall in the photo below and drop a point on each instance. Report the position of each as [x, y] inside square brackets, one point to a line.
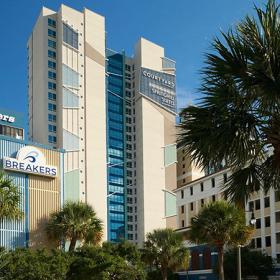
[44, 199]
[38, 77]
[151, 172]
[95, 114]
[155, 129]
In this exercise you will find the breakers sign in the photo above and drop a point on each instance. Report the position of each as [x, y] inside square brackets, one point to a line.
[160, 87]
[7, 118]
[30, 160]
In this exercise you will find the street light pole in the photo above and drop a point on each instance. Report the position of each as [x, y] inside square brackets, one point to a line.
[239, 262]
[252, 222]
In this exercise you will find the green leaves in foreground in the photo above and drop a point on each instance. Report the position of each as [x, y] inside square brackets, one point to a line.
[237, 119]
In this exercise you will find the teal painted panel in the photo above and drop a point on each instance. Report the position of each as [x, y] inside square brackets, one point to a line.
[170, 154]
[70, 99]
[71, 186]
[70, 77]
[71, 141]
[170, 204]
[14, 233]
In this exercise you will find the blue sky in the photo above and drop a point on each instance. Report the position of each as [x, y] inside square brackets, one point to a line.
[184, 27]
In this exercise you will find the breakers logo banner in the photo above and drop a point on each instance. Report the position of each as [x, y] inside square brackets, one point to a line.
[160, 87]
[30, 160]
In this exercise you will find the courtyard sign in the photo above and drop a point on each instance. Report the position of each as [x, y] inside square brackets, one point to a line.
[160, 87]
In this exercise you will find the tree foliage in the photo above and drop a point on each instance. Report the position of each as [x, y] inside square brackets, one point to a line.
[77, 221]
[23, 264]
[164, 250]
[9, 198]
[219, 224]
[94, 263]
[253, 263]
[237, 119]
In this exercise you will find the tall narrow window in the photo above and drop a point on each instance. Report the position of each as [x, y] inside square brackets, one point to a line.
[182, 209]
[70, 37]
[51, 22]
[201, 187]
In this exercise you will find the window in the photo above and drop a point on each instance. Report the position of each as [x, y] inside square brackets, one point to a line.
[213, 198]
[191, 206]
[70, 37]
[51, 33]
[182, 194]
[257, 204]
[253, 244]
[51, 54]
[191, 190]
[251, 205]
[268, 241]
[184, 180]
[51, 118]
[51, 107]
[267, 221]
[277, 237]
[52, 128]
[201, 187]
[277, 217]
[51, 96]
[51, 22]
[52, 139]
[51, 44]
[130, 227]
[130, 236]
[130, 218]
[182, 209]
[202, 202]
[259, 242]
[51, 75]
[51, 64]
[127, 67]
[225, 177]
[213, 182]
[51, 85]
[183, 223]
[258, 223]
[277, 196]
[266, 202]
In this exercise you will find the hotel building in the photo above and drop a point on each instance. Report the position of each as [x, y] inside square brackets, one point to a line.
[192, 196]
[114, 115]
[37, 171]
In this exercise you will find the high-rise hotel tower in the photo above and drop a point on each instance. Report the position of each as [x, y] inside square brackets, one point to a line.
[114, 115]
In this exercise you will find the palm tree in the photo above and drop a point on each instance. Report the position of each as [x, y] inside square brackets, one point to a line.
[164, 249]
[76, 221]
[219, 224]
[237, 119]
[9, 199]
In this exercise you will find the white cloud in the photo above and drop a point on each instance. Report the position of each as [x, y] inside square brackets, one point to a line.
[185, 97]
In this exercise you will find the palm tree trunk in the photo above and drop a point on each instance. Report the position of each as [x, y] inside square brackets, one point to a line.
[73, 242]
[163, 273]
[221, 262]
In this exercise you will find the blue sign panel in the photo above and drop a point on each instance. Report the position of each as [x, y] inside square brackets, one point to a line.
[10, 118]
[160, 87]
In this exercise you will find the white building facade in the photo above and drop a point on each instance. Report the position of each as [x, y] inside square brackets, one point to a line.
[266, 208]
